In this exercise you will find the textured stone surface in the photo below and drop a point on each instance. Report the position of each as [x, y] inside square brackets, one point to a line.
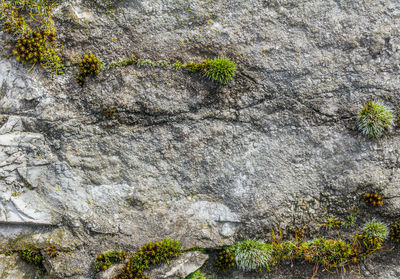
[12, 268]
[179, 268]
[187, 158]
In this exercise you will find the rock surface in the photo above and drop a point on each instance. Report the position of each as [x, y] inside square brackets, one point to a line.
[180, 267]
[186, 158]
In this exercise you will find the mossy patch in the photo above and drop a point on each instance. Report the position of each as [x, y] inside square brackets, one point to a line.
[105, 260]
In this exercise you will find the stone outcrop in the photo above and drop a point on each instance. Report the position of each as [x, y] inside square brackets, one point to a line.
[187, 158]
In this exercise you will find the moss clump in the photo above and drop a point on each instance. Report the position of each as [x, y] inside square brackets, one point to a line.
[35, 42]
[156, 252]
[323, 253]
[225, 260]
[131, 272]
[105, 260]
[32, 256]
[90, 65]
[52, 251]
[395, 232]
[251, 255]
[328, 253]
[376, 230]
[373, 199]
[150, 253]
[374, 119]
[333, 223]
[196, 275]
[219, 69]
[109, 113]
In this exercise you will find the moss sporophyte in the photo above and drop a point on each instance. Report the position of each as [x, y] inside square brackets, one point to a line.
[89, 65]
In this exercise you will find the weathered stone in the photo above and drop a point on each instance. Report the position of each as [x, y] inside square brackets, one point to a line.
[179, 268]
[13, 268]
[184, 157]
[111, 272]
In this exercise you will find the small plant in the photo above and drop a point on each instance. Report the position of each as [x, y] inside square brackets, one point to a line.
[395, 232]
[373, 199]
[374, 119]
[196, 275]
[283, 250]
[219, 69]
[251, 255]
[225, 260]
[376, 230]
[333, 223]
[150, 253]
[328, 253]
[90, 65]
[131, 272]
[32, 256]
[35, 42]
[156, 252]
[123, 63]
[141, 63]
[52, 251]
[105, 260]
[109, 113]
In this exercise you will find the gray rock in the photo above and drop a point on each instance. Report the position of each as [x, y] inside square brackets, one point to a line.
[180, 267]
[111, 272]
[13, 268]
[187, 158]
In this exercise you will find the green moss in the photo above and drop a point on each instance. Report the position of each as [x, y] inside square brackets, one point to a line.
[219, 69]
[52, 251]
[374, 119]
[32, 256]
[196, 275]
[141, 63]
[105, 260]
[156, 252]
[225, 260]
[395, 232]
[150, 254]
[377, 230]
[122, 63]
[333, 223]
[35, 42]
[89, 65]
[109, 113]
[328, 253]
[251, 255]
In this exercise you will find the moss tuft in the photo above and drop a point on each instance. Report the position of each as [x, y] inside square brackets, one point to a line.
[89, 65]
[219, 69]
[374, 119]
[373, 199]
[52, 251]
[105, 260]
[251, 255]
[196, 275]
[35, 42]
[32, 256]
[225, 260]
[395, 232]
[151, 253]
[376, 230]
